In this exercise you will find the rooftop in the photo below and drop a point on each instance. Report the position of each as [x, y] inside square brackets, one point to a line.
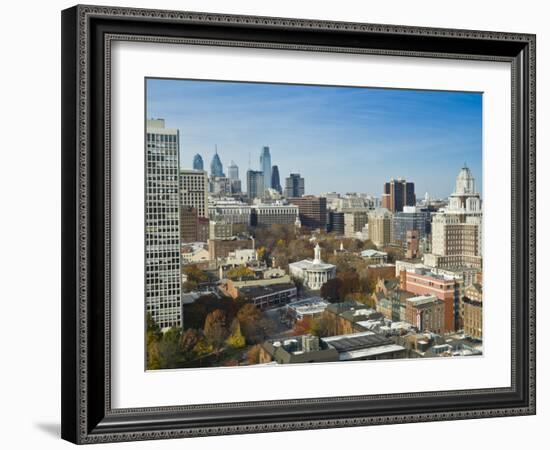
[373, 253]
[311, 305]
[260, 291]
[422, 300]
[262, 282]
[308, 264]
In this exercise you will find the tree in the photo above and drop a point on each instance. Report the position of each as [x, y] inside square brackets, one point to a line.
[350, 283]
[168, 348]
[240, 273]
[249, 317]
[189, 340]
[203, 347]
[153, 330]
[154, 358]
[195, 313]
[331, 290]
[253, 355]
[323, 326]
[236, 338]
[254, 327]
[215, 328]
[394, 253]
[262, 254]
[194, 274]
[361, 297]
[303, 326]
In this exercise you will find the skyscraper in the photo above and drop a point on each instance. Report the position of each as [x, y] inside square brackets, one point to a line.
[162, 226]
[411, 218]
[265, 166]
[194, 190]
[275, 180]
[380, 230]
[216, 166]
[254, 184]
[294, 185]
[234, 181]
[233, 171]
[398, 193]
[198, 163]
[457, 230]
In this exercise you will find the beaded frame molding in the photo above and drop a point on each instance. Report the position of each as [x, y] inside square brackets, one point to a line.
[87, 35]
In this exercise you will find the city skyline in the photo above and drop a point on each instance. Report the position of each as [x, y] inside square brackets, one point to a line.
[386, 133]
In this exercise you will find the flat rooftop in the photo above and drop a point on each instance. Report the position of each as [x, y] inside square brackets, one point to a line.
[260, 291]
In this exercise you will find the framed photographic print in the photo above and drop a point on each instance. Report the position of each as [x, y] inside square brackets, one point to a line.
[279, 224]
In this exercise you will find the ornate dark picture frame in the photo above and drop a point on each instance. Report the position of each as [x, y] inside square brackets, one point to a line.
[87, 34]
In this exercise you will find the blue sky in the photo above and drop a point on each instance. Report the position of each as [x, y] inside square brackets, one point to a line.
[343, 139]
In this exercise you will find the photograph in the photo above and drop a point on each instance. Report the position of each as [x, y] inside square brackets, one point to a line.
[294, 223]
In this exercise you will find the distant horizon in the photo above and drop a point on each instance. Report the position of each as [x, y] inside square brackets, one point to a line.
[340, 139]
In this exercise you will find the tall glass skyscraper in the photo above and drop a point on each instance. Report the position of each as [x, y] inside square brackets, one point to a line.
[216, 167]
[255, 184]
[233, 171]
[276, 180]
[198, 163]
[265, 166]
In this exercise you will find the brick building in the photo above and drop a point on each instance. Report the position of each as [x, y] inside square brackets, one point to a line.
[426, 313]
[220, 248]
[446, 288]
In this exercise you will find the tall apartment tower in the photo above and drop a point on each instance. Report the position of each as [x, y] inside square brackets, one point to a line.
[254, 184]
[162, 226]
[380, 230]
[397, 194]
[276, 180]
[194, 190]
[265, 166]
[294, 186]
[198, 163]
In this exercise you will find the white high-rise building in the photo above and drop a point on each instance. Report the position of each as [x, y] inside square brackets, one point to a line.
[162, 226]
[194, 190]
[457, 230]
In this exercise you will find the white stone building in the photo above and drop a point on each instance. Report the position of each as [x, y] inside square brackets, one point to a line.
[314, 273]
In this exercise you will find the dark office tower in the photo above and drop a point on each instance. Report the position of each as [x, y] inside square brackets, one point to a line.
[336, 222]
[312, 210]
[397, 194]
[294, 186]
[275, 180]
[265, 166]
[216, 167]
[198, 163]
[254, 184]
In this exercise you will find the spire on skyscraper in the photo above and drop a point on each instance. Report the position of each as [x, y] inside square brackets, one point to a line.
[216, 167]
